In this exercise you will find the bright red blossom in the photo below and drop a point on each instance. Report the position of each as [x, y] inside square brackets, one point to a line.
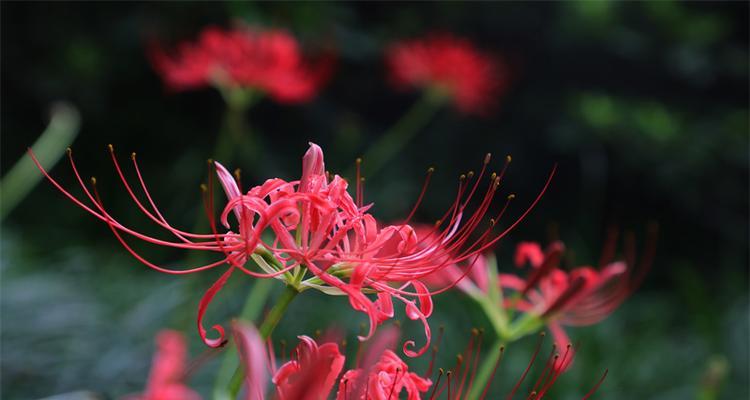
[322, 238]
[471, 79]
[268, 60]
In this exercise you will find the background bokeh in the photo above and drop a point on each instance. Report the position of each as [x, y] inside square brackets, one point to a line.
[643, 105]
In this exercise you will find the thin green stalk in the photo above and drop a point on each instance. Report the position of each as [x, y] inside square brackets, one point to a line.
[268, 325]
[250, 312]
[493, 313]
[525, 325]
[235, 132]
[49, 148]
[395, 139]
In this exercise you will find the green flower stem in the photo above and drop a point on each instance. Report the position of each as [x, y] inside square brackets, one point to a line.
[506, 334]
[394, 139]
[497, 319]
[268, 325]
[235, 130]
[49, 148]
[250, 312]
[493, 303]
[525, 325]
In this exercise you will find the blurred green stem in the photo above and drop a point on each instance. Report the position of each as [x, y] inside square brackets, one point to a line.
[49, 148]
[395, 139]
[236, 130]
[250, 312]
[268, 325]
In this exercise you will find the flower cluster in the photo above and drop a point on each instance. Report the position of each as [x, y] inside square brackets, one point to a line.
[317, 232]
[269, 61]
[451, 67]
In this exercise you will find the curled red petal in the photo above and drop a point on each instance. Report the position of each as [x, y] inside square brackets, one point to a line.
[415, 313]
[425, 300]
[203, 305]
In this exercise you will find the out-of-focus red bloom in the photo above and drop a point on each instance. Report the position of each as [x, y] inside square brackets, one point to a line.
[268, 60]
[316, 227]
[579, 297]
[386, 380]
[449, 65]
[165, 382]
[582, 296]
[255, 359]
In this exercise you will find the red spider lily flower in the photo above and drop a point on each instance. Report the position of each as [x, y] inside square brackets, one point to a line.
[317, 228]
[451, 66]
[165, 382]
[385, 380]
[579, 297]
[267, 60]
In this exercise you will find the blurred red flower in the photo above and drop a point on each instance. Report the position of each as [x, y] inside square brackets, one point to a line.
[385, 380]
[267, 60]
[165, 382]
[579, 297]
[451, 67]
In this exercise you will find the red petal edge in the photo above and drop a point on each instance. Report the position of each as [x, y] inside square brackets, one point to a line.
[203, 305]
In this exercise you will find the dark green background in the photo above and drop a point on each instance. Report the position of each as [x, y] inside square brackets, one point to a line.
[643, 105]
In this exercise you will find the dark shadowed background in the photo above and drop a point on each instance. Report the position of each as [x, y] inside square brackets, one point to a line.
[643, 106]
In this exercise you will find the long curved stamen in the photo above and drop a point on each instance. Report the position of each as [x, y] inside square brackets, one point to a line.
[158, 218]
[528, 367]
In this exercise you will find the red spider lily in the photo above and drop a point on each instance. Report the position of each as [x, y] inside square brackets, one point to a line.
[318, 228]
[581, 296]
[451, 66]
[268, 60]
[165, 382]
[385, 380]
[380, 374]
